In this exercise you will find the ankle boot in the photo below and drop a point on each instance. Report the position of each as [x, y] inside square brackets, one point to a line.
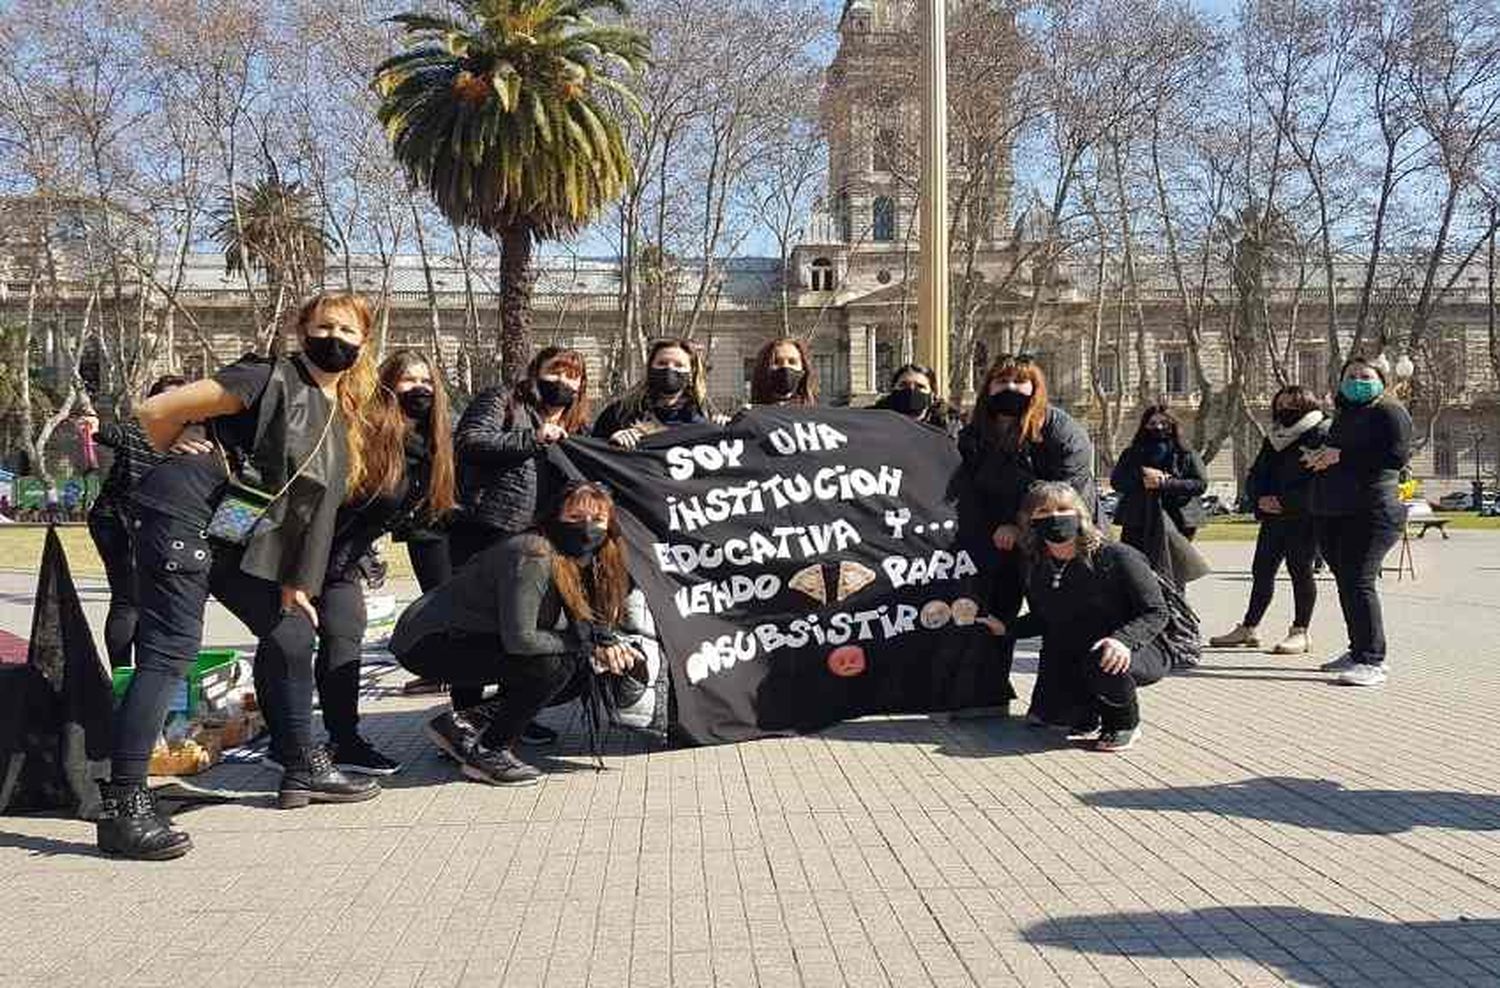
[312, 778]
[1243, 634]
[130, 826]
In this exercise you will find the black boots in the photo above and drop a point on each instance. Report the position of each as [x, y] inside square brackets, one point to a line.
[130, 826]
[311, 778]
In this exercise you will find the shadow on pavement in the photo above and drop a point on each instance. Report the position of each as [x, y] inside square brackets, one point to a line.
[1317, 804]
[1299, 945]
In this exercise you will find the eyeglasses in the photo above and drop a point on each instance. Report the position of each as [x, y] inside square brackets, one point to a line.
[1015, 359]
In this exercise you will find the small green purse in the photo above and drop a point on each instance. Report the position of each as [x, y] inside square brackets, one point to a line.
[241, 507]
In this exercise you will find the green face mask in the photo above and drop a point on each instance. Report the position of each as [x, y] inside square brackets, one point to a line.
[1360, 391]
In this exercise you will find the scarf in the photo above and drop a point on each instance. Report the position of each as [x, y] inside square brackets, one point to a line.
[1282, 436]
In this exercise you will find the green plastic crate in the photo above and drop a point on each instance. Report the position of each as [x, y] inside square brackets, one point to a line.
[189, 696]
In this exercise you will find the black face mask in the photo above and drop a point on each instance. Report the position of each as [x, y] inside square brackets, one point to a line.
[664, 382]
[909, 401]
[1011, 403]
[579, 539]
[785, 380]
[1058, 529]
[329, 353]
[1288, 417]
[416, 403]
[555, 394]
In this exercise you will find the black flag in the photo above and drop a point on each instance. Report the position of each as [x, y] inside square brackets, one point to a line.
[56, 709]
[804, 566]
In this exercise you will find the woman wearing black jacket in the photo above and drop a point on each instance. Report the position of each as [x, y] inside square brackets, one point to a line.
[111, 518]
[536, 615]
[674, 392]
[1158, 478]
[281, 426]
[501, 444]
[1277, 486]
[408, 478]
[1357, 510]
[1015, 438]
[914, 393]
[1099, 610]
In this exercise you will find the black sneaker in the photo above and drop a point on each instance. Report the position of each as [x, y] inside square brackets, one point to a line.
[1120, 740]
[362, 758]
[498, 767]
[535, 734]
[455, 733]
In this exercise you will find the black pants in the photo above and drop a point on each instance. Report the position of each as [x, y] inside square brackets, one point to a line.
[1079, 693]
[1292, 540]
[1003, 596]
[527, 682]
[1354, 547]
[465, 541]
[341, 633]
[111, 535]
[431, 561]
[178, 568]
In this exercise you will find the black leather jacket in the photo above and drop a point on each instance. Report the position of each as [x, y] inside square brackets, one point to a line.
[503, 473]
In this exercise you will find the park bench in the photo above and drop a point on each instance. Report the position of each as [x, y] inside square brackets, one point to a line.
[1423, 524]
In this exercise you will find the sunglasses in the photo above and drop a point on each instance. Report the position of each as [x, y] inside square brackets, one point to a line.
[1014, 360]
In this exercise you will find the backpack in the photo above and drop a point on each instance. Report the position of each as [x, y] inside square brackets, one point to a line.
[1181, 640]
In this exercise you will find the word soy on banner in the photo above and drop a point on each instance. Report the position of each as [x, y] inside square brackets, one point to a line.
[804, 566]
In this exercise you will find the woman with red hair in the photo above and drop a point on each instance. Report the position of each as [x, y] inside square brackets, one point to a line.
[1014, 439]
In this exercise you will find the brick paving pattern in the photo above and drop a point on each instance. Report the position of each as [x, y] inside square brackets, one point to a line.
[1270, 829]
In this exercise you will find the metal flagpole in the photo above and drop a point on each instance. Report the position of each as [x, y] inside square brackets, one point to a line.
[932, 281]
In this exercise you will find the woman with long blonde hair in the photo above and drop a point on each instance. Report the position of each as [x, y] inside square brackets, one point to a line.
[1100, 613]
[535, 615]
[284, 445]
[1015, 437]
[408, 479]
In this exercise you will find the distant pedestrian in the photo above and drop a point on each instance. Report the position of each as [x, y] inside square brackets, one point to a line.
[1277, 487]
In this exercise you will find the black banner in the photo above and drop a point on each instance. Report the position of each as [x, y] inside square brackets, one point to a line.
[804, 566]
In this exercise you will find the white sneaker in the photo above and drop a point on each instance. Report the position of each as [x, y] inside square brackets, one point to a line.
[1362, 674]
[1339, 664]
[1296, 642]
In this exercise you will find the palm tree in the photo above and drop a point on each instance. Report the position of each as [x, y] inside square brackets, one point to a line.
[273, 227]
[506, 113]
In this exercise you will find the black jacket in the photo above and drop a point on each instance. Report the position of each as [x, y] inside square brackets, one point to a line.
[1280, 474]
[1116, 595]
[360, 524]
[1179, 493]
[997, 479]
[503, 473]
[614, 417]
[134, 455]
[1374, 443]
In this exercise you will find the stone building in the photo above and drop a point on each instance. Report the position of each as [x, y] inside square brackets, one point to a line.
[850, 289]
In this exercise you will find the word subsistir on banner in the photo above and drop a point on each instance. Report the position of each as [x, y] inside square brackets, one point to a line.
[804, 566]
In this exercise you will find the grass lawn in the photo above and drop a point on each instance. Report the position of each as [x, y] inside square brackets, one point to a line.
[21, 550]
[21, 546]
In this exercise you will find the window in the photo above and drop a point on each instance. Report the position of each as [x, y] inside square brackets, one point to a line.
[1107, 372]
[822, 279]
[749, 374]
[1311, 371]
[884, 150]
[885, 363]
[1452, 361]
[1444, 454]
[1174, 373]
[883, 220]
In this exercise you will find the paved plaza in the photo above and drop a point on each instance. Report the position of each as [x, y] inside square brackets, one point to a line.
[1271, 828]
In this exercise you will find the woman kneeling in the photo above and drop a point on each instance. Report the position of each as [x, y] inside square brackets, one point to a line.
[537, 615]
[1100, 613]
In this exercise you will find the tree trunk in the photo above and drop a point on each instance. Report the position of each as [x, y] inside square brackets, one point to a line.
[517, 278]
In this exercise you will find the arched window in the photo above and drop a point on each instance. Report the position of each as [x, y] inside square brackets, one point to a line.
[822, 278]
[883, 220]
[884, 148]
